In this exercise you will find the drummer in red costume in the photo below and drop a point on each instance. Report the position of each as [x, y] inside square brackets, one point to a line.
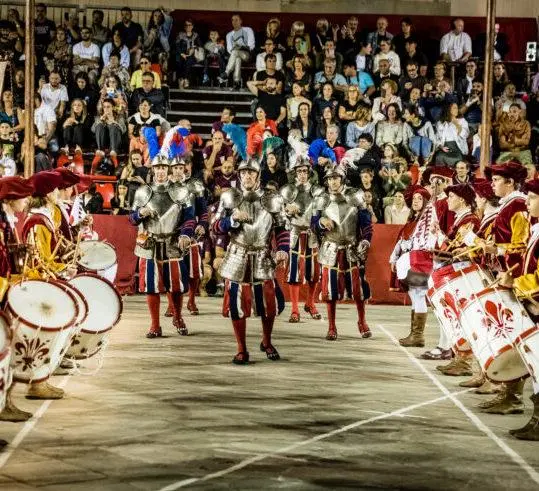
[527, 286]
[417, 199]
[508, 239]
[14, 193]
[41, 230]
[64, 203]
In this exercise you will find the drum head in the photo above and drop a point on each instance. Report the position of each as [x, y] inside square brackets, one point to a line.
[96, 255]
[81, 302]
[42, 304]
[104, 302]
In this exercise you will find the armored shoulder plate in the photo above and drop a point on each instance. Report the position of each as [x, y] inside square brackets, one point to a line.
[178, 193]
[289, 193]
[355, 197]
[196, 187]
[272, 202]
[142, 196]
[317, 191]
[231, 198]
[321, 201]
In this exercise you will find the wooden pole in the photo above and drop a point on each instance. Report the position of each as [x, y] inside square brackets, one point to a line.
[486, 120]
[29, 80]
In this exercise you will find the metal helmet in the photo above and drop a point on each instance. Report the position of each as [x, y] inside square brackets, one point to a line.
[335, 170]
[250, 164]
[300, 161]
[160, 160]
[177, 161]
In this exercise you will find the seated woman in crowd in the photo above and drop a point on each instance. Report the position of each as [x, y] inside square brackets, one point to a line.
[451, 137]
[396, 212]
[85, 92]
[134, 173]
[514, 133]
[144, 67]
[59, 53]
[110, 130]
[11, 114]
[112, 90]
[272, 171]
[388, 90]
[298, 73]
[77, 126]
[143, 119]
[293, 102]
[387, 53]
[418, 136]
[360, 125]
[509, 97]
[117, 44]
[255, 132]
[304, 123]
[120, 203]
[114, 69]
[500, 80]
[364, 60]
[187, 42]
[156, 45]
[273, 32]
[328, 119]
[298, 30]
[326, 99]
[352, 102]
[321, 33]
[299, 48]
[390, 130]
[395, 178]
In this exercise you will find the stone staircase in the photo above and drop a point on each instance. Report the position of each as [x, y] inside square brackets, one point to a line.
[203, 106]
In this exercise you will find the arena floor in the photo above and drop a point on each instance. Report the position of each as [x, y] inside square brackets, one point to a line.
[174, 412]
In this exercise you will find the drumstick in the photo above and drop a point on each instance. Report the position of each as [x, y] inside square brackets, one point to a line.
[55, 251]
[467, 251]
[499, 278]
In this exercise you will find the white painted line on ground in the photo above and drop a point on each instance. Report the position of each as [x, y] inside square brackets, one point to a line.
[28, 426]
[303, 443]
[515, 457]
[400, 415]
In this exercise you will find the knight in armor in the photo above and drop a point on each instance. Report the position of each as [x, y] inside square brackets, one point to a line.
[253, 218]
[303, 266]
[165, 217]
[344, 225]
[14, 193]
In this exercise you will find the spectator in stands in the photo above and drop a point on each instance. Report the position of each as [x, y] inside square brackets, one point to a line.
[156, 45]
[326, 99]
[144, 118]
[386, 53]
[304, 124]
[364, 61]
[472, 106]
[45, 121]
[361, 80]
[92, 200]
[361, 125]
[299, 49]
[396, 212]
[44, 30]
[415, 101]
[293, 102]
[383, 74]
[187, 44]
[240, 42]
[298, 30]
[388, 96]
[132, 35]
[330, 75]
[369, 185]
[10, 43]
[269, 49]
[272, 171]
[86, 56]
[215, 52]
[227, 116]
[109, 131]
[77, 126]
[112, 90]
[352, 102]
[145, 67]
[533, 116]
[8, 150]
[451, 137]
[84, 91]
[114, 68]
[329, 52]
[327, 120]
[215, 155]
[270, 71]
[439, 74]
[72, 27]
[11, 114]
[418, 137]
[514, 133]
[119, 203]
[255, 132]
[371, 158]
[134, 173]
[463, 86]
[224, 179]
[413, 55]
[148, 91]
[101, 34]
[500, 80]
[321, 34]
[374, 38]
[273, 32]
[456, 45]
[18, 87]
[349, 38]
[462, 172]
[298, 73]
[54, 94]
[434, 101]
[59, 53]
[400, 40]
[501, 46]
[269, 99]
[389, 130]
[508, 98]
[395, 178]
[412, 80]
[326, 152]
[14, 17]
[117, 44]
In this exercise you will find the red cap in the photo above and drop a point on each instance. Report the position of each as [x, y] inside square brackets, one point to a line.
[439, 171]
[84, 182]
[483, 188]
[509, 170]
[14, 187]
[68, 178]
[532, 186]
[415, 189]
[464, 191]
[45, 182]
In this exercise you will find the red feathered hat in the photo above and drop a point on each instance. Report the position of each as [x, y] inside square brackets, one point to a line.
[45, 182]
[532, 186]
[464, 191]
[68, 178]
[483, 188]
[415, 189]
[509, 170]
[14, 187]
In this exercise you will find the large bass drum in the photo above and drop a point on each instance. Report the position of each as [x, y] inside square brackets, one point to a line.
[100, 258]
[44, 315]
[104, 311]
[5, 357]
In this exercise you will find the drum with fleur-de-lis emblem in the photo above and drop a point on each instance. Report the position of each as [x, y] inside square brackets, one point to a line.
[5, 357]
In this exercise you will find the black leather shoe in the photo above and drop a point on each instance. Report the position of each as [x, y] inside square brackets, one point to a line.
[271, 352]
[241, 358]
[154, 334]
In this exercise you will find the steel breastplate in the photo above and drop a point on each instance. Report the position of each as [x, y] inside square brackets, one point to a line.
[166, 213]
[344, 217]
[254, 234]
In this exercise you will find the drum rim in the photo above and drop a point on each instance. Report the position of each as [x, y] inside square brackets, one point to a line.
[35, 326]
[85, 303]
[10, 333]
[452, 276]
[120, 310]
[501, 351]
[6, 352]
[527, 333]
[86, 268]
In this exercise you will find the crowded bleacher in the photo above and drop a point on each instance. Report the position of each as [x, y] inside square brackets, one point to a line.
[372, 98]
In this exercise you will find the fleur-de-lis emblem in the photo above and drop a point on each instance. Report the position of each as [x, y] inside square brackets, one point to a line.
[498, 318]
[452, 307]
[31, 351]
